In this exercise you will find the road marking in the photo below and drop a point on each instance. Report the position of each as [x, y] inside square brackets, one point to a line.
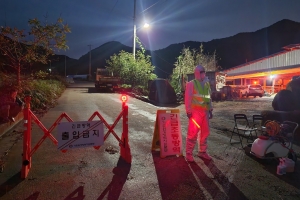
[151, 117]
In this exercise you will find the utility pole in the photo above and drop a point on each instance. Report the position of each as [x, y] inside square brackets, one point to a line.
[134, 30]
[65, 66]
[90, 62]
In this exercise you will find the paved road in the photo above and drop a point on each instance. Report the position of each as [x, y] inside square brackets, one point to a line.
[101, 174]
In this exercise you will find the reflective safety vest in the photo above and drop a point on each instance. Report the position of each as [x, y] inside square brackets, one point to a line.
[201, 96]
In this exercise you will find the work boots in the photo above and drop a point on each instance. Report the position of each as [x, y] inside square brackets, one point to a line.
[204, 155]
[189, 150]
[11, 119]
[189, 158]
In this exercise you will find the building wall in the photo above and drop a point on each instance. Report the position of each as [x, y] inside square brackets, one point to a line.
[272, 72]
[273, 62]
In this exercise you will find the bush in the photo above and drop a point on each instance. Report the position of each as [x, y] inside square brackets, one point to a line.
[140, 90]
[294, 86]
[125, 86]
[284, 101]
[44, 92]
[41, 75]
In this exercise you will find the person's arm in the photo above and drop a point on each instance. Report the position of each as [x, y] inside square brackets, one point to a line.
[210, 101]
[210, 104]
[5, 100]
[188, 97]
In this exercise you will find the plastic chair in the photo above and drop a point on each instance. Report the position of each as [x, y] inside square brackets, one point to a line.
[242, 129]
[257, 123]
[289, 128]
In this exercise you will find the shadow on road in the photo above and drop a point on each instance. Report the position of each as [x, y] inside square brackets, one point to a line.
[175, 178]
[10, 184]
[115, 187]
[181, 180]
[218, 179]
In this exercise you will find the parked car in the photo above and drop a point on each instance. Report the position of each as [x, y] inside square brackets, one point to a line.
[69, 79]
[253, 90]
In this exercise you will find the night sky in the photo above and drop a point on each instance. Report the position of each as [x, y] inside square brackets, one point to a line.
[95, 22]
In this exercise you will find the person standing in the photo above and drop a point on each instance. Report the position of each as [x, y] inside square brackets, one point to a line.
[199, 110]
[10, 105]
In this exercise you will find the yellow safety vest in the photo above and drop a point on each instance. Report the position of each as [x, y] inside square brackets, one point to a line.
[201, 96]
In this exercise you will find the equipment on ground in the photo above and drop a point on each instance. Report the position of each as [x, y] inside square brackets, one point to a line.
[276, 141]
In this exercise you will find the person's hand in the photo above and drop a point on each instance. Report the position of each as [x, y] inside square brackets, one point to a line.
[189, 115]
[210, 115]
[19, 101]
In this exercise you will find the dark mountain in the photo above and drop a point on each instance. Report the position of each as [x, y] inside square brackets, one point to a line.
[99, 56]
[237, 49]
[231, 51]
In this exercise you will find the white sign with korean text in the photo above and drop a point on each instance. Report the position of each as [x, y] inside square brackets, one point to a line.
[170, 134]
[80, 134]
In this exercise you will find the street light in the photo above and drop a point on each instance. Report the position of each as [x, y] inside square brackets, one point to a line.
[146, 25]
[134, 30]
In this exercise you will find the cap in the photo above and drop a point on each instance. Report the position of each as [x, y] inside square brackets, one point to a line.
[198, 70]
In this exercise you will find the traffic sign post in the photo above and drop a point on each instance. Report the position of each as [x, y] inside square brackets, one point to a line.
[125, 148]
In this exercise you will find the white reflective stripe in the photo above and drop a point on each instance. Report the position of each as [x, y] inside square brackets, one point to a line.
[201, 102]
[203, 96]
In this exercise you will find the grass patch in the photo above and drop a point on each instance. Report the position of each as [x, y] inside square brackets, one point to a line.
[44, 89]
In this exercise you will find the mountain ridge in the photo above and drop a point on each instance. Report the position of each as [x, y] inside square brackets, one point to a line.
[230, 51]
[237, 49]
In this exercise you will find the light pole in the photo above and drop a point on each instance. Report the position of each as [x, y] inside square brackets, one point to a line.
[65, 66]
[90, 62]
[146, 25]
[134, 30]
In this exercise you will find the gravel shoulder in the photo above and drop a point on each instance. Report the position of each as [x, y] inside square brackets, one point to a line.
[256, 177]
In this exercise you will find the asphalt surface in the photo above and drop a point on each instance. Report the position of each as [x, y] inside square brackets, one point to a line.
[87, 173]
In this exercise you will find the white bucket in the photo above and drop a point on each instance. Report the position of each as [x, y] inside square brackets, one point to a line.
[290, 165]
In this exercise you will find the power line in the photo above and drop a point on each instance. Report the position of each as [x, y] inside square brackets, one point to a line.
[113, 8]
[151, 6]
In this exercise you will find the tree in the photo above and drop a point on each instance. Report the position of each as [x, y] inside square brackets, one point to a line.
[186, 63]
[133, 71]
[20, 48]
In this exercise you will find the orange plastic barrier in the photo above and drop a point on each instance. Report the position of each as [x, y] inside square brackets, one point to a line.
[29, 116]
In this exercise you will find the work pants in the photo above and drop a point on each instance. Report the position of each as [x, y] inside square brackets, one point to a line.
[201, 118]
